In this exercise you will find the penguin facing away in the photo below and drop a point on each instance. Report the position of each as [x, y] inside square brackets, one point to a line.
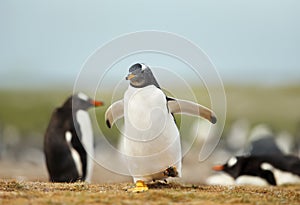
[272, 169]
[68, 141]
[151, 141]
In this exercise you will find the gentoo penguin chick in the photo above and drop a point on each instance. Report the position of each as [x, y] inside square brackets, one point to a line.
[273, 169]
[68, 142]
[151, 141]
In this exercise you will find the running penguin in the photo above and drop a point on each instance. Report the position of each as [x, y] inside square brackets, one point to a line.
[151, 141]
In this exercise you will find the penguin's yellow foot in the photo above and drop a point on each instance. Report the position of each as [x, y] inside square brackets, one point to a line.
[140, 186]
[171, 172]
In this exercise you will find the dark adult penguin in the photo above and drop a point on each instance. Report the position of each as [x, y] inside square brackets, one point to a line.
[151, 139]
[68, 142]
[273, 169]
[265, 146]
[262, 141]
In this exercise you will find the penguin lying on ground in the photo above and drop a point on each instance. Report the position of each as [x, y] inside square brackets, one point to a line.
[272, 169]
[151, 139]
[262, 162]
[68, 142]
[266, 164]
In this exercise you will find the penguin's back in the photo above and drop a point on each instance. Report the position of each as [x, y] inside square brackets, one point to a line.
[59, 161]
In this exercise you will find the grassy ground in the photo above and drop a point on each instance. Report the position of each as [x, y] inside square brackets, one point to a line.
[13, 192]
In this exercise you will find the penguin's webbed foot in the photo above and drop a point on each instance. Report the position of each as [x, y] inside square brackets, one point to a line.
[140, 186]
[171, 172]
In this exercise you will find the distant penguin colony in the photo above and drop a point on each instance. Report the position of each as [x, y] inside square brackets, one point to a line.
[68, 141]
[152, 141]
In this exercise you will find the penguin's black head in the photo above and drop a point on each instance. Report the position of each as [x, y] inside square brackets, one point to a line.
[232, 167]
[81, 101]
[141, 76]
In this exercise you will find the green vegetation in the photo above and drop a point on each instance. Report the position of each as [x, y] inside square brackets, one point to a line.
[276, 106]
[30, 111]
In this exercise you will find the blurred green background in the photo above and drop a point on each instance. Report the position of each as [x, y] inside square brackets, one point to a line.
[277, 106]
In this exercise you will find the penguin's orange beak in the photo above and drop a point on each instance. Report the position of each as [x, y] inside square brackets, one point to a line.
[130, 76]
[96, 103]
[218, 167]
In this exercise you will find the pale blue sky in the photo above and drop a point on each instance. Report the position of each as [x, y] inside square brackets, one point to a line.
[46, 42]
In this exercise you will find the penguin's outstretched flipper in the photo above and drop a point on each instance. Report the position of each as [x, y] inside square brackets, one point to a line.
[114, 112]
[190, 108]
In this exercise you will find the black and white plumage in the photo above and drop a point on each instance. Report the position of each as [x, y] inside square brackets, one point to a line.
[273, 169]
[263, 163]
[69, 142]
[151, 139]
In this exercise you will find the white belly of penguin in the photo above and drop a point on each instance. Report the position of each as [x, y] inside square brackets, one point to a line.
[151, 139]
[87, 140]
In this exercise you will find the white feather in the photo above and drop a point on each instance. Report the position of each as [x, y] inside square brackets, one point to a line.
[87, 140]
[225, 179]
[83, 96]
[74, 153]
[151, 142]
[266, 166]
[285, 177]
[232, 161]
[251, 180]
[143, 66]
[280, 176]
[220, 179]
